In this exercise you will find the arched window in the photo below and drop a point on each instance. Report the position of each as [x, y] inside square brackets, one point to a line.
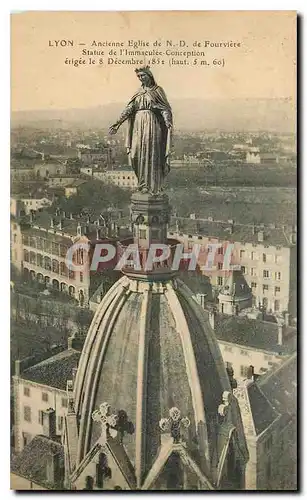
[55, 266]
[63, 269]
[25, 239]
[71, 291]
[32, 258]
[55, 284]
[26, 255]
[39, 260]
[33, 241]
[47, 263]
[40, 278]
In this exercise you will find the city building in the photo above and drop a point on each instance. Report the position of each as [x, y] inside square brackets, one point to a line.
[40, 244]
[102, 155]
[247, 343]
[20, 172]
[268, 158]
[72, 189]
[268, 407]
[119, 176]
[40, 465]
[51, 167]
[253, 156]
[62, 180]
[267, 256]
[16, 249]
[87, 170]
[39, 383]
[27, 203]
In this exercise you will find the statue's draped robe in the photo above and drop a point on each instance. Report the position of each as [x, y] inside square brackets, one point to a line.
[148, 137]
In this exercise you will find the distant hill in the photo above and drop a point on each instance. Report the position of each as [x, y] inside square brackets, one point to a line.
[189, 114]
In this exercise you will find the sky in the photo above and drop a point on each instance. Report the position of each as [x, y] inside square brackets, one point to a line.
[263, 67]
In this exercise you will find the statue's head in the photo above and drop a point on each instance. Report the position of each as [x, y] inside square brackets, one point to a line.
[145, 76]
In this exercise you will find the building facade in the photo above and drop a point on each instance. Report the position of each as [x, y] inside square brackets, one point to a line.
[123, 177]
[267, 257]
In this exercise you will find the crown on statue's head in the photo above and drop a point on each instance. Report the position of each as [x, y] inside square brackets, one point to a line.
[142, 69]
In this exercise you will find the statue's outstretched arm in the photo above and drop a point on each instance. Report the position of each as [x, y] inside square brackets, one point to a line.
[127, 112]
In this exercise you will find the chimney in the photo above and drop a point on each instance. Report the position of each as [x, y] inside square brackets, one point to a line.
[49, 423]
[260, 236]
[280, 334]
[64, 214]
[293, 238]
[71, 216]
[52, 222]
[60, 225]
[97, 233]
[250, 373]
[212, 319]
[53, 468]
[287, 319]
[31, 216]
[17, 367]
[254, 229]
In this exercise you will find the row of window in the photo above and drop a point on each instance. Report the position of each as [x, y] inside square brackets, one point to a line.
[50, 265]
[44, 244]
[265, 288]
[265, 257]
[45, 396]
[27, 415]
[266, 273]
[243, 253]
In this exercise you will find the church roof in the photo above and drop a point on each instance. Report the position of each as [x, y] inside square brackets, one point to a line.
[54, 371]
[150, 348]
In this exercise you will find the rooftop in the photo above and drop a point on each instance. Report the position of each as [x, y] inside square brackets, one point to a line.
[31, 463]
[280, 386]
[262, 412]
[119, 168]
[54, 371]
[76, 183]
[227, 231]
[254, 333]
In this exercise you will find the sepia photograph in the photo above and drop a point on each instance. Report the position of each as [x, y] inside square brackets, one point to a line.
[153, 251]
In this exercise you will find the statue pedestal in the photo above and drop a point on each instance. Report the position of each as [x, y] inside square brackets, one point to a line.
[150, 215]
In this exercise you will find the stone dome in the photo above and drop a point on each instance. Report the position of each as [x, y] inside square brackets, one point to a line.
[151, 348]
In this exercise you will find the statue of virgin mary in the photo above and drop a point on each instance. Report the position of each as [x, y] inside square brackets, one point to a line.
[148, 140]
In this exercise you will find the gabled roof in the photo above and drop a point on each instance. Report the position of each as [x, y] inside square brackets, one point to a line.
[31, 463]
